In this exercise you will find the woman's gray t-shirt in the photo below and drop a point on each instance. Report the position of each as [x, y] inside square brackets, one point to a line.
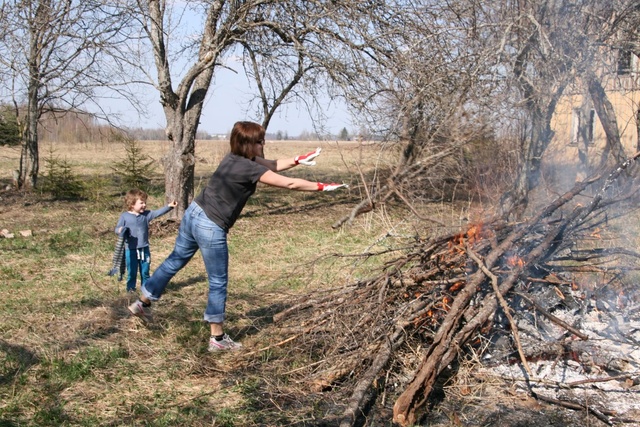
[229, 188]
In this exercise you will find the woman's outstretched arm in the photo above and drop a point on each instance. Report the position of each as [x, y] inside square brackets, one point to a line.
[284, 164]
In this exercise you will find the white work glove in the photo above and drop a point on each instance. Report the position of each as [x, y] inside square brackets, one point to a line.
[330, 187]
[306, 159]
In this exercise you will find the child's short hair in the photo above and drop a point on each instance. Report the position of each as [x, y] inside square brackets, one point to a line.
[132, 197]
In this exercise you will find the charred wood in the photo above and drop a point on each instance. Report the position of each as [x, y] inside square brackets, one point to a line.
[553, 318]
[439, 296]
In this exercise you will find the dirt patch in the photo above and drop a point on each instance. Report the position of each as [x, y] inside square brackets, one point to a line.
[163, 228]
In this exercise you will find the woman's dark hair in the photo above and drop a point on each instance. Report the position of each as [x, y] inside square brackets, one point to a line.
[244, 136]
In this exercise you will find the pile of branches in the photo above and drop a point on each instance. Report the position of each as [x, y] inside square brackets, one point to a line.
[438, 298]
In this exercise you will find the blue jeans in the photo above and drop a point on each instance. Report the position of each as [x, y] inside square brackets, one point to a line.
[196, 231]
[137, 260]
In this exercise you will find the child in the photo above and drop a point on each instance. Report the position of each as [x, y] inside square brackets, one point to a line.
[136, 220]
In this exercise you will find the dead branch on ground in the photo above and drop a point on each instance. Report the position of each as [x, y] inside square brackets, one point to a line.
[435, 300]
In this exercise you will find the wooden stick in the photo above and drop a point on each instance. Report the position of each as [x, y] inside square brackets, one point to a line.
[553, 318]
[286, 340]
[599, 380]
[505, 307]
[601, 415]
[273, 345]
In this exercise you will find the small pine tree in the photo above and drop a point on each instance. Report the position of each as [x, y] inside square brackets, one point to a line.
[9, 127]
[59, 180]
[135, 169]
[344, 135]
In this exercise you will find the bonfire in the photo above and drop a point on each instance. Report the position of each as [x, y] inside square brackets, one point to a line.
[513, 295]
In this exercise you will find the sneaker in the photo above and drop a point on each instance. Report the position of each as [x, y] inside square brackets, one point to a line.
[137, 309]
[226, 343]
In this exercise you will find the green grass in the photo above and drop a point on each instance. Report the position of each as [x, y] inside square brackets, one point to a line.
[83, 364]
[70, 355]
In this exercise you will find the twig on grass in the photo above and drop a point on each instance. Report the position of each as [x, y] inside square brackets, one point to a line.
[278, 344]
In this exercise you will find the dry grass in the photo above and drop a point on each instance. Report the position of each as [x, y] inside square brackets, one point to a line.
[70, 354]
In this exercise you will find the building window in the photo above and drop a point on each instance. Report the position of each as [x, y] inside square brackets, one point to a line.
[575, 126]
[627, 62]
[638, 130]
[591, 126]
[582, 128]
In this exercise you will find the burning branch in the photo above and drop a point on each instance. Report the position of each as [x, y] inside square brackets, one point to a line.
[505, 308]
[437, 298]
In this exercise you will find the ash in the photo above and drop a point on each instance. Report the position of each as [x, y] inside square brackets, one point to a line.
[599, 372]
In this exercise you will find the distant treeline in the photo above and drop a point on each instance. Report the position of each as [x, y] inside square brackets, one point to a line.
[72, 127]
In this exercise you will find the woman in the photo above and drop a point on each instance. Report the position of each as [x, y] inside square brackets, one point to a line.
[211, 215]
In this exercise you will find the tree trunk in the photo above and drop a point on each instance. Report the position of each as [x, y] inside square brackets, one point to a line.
[607, 117]
[535, 144]
[183, 107]
[637, 130]
[29, 158]
[179, 166]
[540, 106]
[585, 138]
[29, 162]
[179, 162]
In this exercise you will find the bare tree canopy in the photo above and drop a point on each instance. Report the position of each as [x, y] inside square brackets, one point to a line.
[467, 73]
[53, 59]
[291, 51]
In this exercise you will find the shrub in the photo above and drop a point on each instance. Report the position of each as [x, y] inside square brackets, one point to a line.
[98, 190]
[9, 127]
[59, 179]
[135, 169]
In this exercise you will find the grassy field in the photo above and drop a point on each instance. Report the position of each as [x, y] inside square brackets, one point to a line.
[70, 355]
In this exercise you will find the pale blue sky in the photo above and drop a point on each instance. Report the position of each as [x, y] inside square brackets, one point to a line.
[228, 97]
[225, 104]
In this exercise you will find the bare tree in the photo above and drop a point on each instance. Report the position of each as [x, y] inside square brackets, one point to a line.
[549, 46]
[54, 50]
[287, 48]
[427, 85]
[464, 70]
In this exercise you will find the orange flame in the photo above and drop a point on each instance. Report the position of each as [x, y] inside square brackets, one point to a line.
[446, 301]
[474, 233]
[456, 286]
[515, 261]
